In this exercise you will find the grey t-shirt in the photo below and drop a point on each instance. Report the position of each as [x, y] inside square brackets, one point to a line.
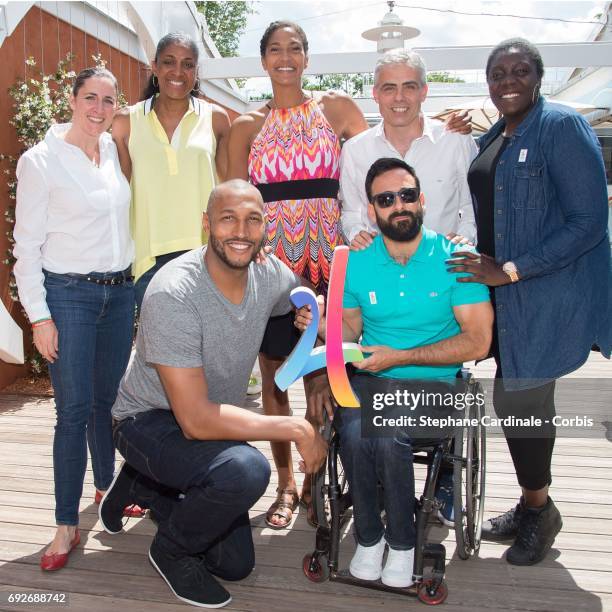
[186, 322]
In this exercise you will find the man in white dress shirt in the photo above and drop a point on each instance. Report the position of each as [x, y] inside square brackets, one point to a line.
[441, 158]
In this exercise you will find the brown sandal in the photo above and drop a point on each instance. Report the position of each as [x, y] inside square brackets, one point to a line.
[282, 508]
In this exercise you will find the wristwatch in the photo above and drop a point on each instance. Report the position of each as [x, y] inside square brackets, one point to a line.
[510, 269]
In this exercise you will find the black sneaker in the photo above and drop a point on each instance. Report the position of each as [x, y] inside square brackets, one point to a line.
[188, 579]
[505, 526]
[116, 498]
[537, 531]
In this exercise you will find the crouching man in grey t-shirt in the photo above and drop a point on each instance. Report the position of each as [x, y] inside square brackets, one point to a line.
[177, 421]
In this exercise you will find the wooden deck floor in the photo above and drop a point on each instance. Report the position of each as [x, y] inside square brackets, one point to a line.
[112, 572]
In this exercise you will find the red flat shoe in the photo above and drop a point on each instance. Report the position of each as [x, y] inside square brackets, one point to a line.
[134, 511]
[55, 561]
[131, 511]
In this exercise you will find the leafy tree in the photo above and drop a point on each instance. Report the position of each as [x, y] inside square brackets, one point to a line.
[226, 23]
[352, 84]
[442, 77]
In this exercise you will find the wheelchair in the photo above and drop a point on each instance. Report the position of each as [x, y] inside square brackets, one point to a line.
[463, 451]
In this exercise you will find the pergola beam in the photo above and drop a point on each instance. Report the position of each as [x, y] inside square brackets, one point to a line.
[563, 55]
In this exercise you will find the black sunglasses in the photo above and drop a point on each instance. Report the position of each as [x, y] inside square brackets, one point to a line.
[385, 199]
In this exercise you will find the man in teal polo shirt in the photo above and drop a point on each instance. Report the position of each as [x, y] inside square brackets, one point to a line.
[417, 324]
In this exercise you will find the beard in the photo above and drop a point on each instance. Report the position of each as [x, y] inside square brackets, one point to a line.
[219, 249]
[403, 231]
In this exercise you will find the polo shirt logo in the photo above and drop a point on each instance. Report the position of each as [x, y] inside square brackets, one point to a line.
[372, 297]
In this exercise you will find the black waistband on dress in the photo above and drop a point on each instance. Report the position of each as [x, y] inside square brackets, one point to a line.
[299, 190]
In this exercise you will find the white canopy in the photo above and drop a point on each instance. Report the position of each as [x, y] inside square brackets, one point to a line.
[484, 113]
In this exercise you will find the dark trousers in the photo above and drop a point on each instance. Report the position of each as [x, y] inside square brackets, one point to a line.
[532, 453]
[219, 481]
[368, 461]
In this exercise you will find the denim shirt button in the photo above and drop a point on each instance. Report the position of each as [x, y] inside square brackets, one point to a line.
[502, 330]
[499, 236]
[500, 187]
[499, 211]
[501, 162]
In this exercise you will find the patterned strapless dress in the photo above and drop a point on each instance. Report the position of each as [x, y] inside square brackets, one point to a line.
[294, 162]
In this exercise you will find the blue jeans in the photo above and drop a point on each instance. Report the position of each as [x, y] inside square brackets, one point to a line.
[220, 480]
[143, 282]
[95, 325]
[368, 461]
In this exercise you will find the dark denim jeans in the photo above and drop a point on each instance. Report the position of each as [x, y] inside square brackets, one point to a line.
[368, 461]
[143, 282]
[95, 325]
[220, 481]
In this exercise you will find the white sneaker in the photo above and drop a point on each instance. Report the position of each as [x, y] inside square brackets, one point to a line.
[254, 385]
[398, 568]
[366, 563]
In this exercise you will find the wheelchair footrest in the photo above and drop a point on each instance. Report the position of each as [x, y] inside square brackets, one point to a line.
[345, 577]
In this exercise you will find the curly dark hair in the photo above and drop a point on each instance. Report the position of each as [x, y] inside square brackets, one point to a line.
[529, 49]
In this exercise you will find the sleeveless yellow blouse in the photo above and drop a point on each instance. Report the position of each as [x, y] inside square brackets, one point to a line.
[171, 181]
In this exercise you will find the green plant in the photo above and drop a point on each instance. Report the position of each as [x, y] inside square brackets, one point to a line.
[226, 22]
[443, 77]
[38, 103]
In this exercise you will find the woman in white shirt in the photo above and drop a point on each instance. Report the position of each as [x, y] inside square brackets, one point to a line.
[74, 250]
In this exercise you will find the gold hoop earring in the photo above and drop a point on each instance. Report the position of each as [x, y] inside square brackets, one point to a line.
[155, 81]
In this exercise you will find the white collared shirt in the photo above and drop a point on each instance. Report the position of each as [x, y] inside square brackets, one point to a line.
[71, 216]
[441, 160]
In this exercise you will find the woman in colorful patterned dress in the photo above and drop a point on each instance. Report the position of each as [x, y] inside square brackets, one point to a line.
[290, 150]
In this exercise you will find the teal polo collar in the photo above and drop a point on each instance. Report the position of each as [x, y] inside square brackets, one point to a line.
[423, 252]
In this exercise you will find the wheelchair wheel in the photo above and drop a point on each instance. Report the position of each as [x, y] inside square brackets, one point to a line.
[315, 568]
[469, 479]
[432, 599]
[321, 486]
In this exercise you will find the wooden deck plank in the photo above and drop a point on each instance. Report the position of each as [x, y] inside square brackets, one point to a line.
[112, 572]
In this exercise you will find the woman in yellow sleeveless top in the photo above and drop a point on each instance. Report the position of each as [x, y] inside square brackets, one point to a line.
[172, 147]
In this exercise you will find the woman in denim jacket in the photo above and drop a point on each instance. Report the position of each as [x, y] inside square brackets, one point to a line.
[540, 198]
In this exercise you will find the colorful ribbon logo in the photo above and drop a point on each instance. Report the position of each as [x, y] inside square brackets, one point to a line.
[335, 354]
